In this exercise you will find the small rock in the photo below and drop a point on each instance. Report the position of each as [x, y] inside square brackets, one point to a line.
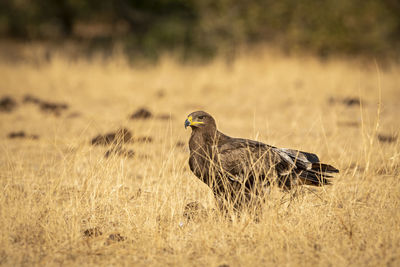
[180, 144]
[141, 113]
[351, 101]
[54, 108]
[22, 134]
[7, 104]
[121, 136]
[387, 138]
[92, 232]
[46, 106]
[117, 237]
[19, 134]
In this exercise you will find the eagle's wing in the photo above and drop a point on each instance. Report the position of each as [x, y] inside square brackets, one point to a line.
[241, 158]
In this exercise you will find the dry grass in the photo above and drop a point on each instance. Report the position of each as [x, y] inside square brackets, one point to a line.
[55, 188]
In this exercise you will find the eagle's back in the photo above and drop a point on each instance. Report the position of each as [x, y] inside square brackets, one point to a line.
[244, 159]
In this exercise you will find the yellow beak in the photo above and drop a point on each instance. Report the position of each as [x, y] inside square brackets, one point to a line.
[189, 122]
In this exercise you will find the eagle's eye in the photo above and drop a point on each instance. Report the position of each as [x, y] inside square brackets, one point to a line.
[201, 117]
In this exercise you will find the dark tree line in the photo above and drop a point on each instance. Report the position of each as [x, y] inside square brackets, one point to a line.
[206, 26]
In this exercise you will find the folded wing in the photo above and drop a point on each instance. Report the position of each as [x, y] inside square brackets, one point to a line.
[242, 160]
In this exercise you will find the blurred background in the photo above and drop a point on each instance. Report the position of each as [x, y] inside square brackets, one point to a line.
[202, 29]
[94, 155]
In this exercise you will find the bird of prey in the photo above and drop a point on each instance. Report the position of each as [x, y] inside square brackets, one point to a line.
[238, 169]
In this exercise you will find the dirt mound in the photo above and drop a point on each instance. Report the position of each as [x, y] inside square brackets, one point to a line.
[385, 138]
[46, 106]
[141, 113]
[92, 232]
[22, 134]
[7, 104]
[121, 136]
[116, 237]
[52, 107]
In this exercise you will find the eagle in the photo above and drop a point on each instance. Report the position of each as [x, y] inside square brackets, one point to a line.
[238, 170]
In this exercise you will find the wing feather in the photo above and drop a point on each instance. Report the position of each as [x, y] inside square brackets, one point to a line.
[239, 158]
[243, 158]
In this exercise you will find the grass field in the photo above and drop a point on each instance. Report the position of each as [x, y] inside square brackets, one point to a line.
[63, 202]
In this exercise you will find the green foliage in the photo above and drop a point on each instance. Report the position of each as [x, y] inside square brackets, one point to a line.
[207, 26]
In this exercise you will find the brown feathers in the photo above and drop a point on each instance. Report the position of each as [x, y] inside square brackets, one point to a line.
[237, 169]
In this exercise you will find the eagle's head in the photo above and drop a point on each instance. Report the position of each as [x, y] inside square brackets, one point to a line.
[200, 119]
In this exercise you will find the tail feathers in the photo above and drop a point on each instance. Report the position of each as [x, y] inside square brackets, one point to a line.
[318, 175]
[322, 167]
[312, 177]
